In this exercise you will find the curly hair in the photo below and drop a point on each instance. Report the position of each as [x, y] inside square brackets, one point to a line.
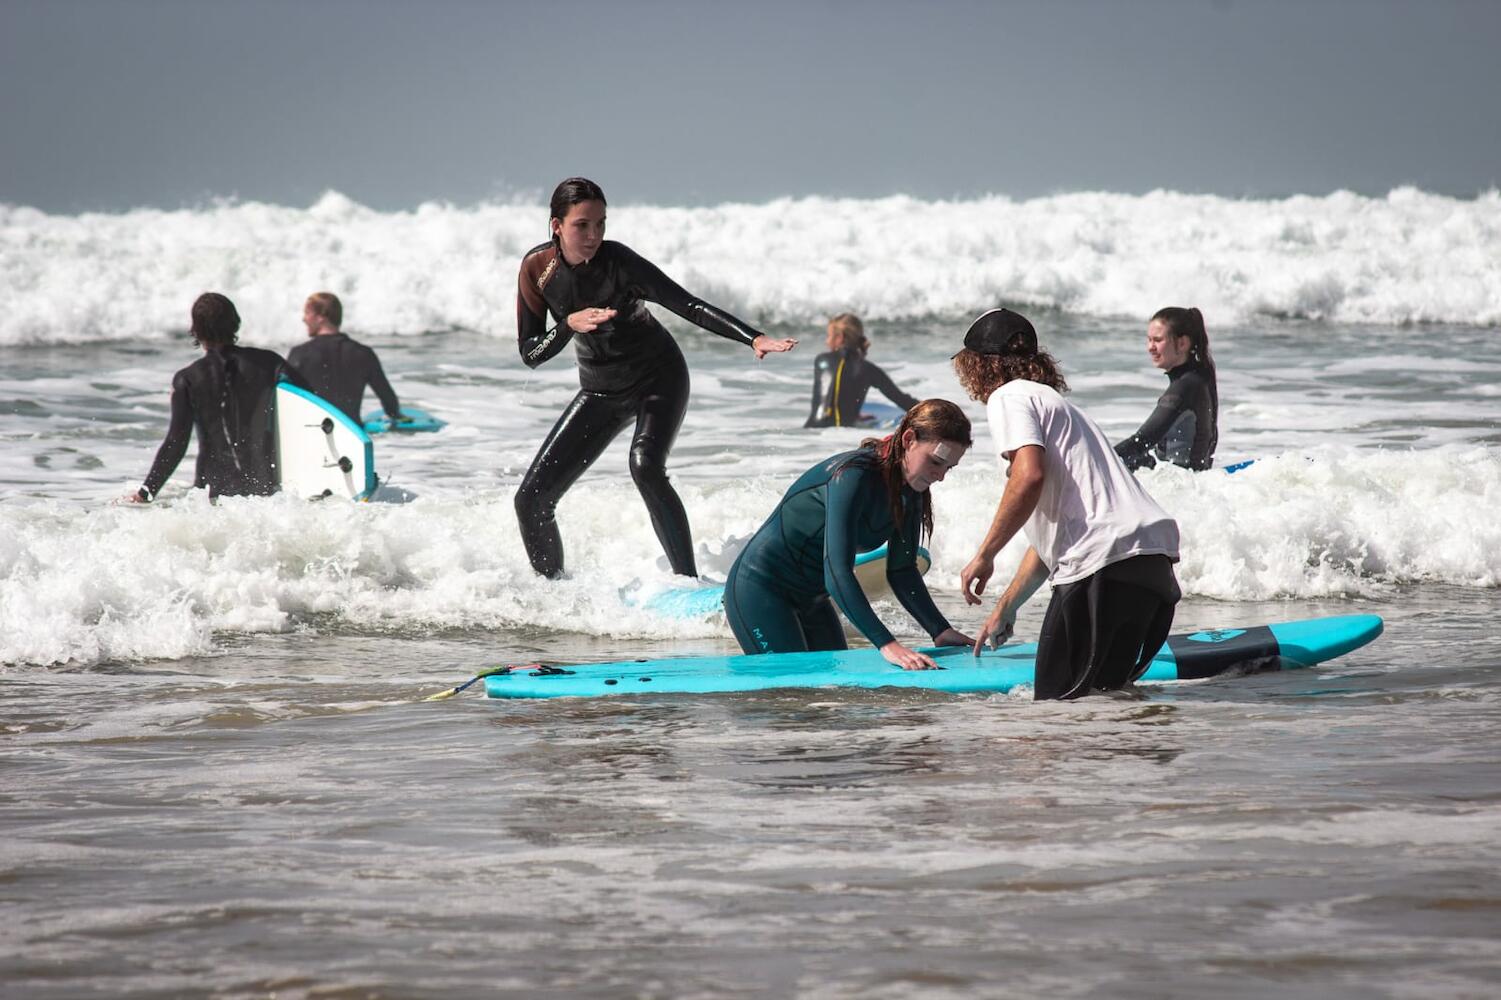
[981, 374]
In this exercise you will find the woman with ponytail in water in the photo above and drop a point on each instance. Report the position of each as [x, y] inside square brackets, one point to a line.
[229, 396]
[782, 591]
[630, 369]
[1184, 428]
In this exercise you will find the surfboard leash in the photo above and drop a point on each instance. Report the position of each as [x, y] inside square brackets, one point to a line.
[538, 668]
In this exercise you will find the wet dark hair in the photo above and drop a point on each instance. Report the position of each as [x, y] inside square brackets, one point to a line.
[1181, 322]
[215, 321]
[981, 374]
[930, 420]
[574, 191]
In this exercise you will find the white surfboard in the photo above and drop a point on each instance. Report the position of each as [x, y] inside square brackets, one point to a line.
[320, 451]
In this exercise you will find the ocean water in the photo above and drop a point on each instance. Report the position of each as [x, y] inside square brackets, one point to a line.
[220, 778]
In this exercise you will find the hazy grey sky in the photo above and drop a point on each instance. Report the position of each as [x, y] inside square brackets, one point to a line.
[110, 105]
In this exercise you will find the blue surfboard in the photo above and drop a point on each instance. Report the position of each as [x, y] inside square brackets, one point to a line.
[880, 416]
[700, 602]
[1188, 656]
[413, 421]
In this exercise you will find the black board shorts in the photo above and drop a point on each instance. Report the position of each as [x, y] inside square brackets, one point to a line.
[1100, 633]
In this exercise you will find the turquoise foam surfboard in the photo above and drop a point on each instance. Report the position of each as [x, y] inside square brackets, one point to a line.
[413, 421]
[1189, 656]
[700, 602]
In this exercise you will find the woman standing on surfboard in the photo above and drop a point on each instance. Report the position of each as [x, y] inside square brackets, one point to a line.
[782, 591]
[630, 369]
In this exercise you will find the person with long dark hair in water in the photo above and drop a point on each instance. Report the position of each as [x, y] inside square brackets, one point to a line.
[630, 369]
[782, 591]
[229, 395]
[1184, 428]
[843, 375]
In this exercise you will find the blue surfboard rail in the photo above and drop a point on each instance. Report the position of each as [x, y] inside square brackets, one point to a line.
[1187, 656]
[414, 421]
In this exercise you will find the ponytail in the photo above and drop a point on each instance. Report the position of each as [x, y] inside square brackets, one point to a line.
[1189, 322]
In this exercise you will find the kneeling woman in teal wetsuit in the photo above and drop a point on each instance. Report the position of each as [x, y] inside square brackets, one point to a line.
[781, 592]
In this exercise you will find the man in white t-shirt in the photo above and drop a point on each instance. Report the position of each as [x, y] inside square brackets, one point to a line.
[1105, 543]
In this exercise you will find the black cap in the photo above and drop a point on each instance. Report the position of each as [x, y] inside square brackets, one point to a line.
[1001, 331]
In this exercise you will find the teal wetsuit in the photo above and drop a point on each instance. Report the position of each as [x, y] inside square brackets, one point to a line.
[781, 592]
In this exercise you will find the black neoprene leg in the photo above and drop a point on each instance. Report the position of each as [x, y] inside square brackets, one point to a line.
[1141, 621]
[763, 622]
[822, 628]
[658, 417]
[581, 434]
[1095, 635]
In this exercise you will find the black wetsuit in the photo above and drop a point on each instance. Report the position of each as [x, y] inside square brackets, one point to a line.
[229, 394]
[338, 369]
[1183, 429]
[1100, 633]
[840, 381]
[629, 369]
[781, 592]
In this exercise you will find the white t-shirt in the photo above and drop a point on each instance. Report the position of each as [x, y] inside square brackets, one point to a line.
[1092, 511]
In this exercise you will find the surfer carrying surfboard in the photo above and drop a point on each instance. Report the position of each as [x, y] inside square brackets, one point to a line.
[1183, 428]
[229, 395]
[336, 366]
[782, 591]
[842, 376]
[630, 369]
[1106, 544]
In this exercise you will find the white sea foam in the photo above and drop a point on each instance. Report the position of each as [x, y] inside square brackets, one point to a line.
[88, 585]
[1408, 257]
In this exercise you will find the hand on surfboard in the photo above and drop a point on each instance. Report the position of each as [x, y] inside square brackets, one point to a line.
[998, 628]
[907, 659]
